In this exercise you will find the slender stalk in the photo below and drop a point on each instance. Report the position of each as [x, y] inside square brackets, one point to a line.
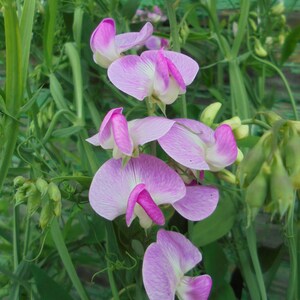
[256, 122]
[291, 243]
[170, 4]
[26, 237]
[251, 240]
[16, 232]
[245, 265]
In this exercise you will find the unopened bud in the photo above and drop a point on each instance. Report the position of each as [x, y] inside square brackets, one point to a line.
[57, 208]
[278, 8]
[209, 113]
[253, 24]
[34, 200]
[241, 132]
[42, 186]
[259, 49]
[54, 192]
[292, 159]
[253, 160]
[256, 192]
[240, 156]
[227, 176]
[271, 117]
[282, 191]
[234, 122]
[18, 181]
[46, 214]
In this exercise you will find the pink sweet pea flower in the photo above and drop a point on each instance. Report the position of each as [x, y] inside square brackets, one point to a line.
[198, 147]
[161, 74]
[107, 46]
[164, 265]
[125, 137]
[141, 186]
[135, 190]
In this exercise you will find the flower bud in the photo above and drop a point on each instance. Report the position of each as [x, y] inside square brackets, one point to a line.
[54, 192]
[256, 192]
[57, 208]
[259, 49]
[240, 157]
[271, 117]
[234, 122]
[42, 186]
[253, 24]
[292, 159]
[46, 214]
[227, 176]
[241, 132]
[34, 200]
[253, 160]
[278, 8]
[18, 181]
[209, 113]
[282, 191]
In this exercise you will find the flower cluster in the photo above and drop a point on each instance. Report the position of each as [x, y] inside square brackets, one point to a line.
[140, 185]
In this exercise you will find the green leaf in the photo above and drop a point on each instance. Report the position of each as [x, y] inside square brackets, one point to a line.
[47, 287]
[129, 8]
[290, 44]
[216, 225]
[64, 132]
[225, 292]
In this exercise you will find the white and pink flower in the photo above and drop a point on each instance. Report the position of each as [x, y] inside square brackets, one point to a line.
[164, 265]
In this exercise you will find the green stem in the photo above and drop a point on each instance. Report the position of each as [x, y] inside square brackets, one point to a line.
[16, 232]
[251, 240]
[176, 43]
[287, 86]
[291, 243]
[66, 259]
[245, 265]
[256, 122]
[26, 237]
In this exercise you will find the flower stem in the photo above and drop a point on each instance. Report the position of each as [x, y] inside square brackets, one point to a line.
[170, 4]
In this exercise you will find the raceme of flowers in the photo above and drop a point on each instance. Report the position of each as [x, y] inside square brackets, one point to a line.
[142, 186]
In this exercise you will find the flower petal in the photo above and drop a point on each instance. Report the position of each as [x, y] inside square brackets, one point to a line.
[149, 129]
[132, 75]
[195, 288]
[112, 184]
[110, 189]
[198, 203]
[126, 41]
[102, 43]
[181, 253]
[185, 147]
[105, 134]
[187, 67]
[121, 134]
[225, 151]
[94, 140]
[158, 276]
[141, 196]
[161, 76]
[163, 183]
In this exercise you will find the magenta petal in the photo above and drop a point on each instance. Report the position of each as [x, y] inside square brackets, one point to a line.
[121, 134]
[163, 183]
[151, 209]
[187, 67]
[149, 129]
[132, 75]
[198, 203]
[129, 40]
[133, 198]
[105, 134]
[224, 152]
[102, 43]
[185, 147]
[176, 75]
[195, 288]
[181, 253]
[161, 76]
[158, 275]
[153, 43]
